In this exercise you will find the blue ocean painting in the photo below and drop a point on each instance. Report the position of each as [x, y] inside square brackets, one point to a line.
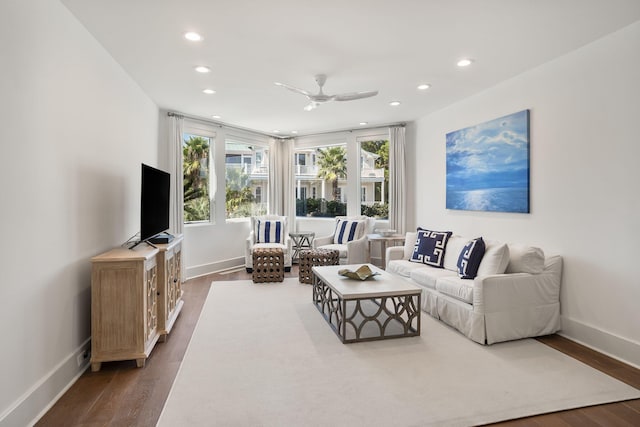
[488, 165]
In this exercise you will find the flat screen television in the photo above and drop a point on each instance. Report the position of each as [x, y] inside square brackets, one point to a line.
[154, 203]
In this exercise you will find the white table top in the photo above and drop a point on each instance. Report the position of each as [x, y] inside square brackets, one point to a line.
[385, 284]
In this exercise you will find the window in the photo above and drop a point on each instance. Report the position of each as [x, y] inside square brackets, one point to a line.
[197, 168]
[374, 178]
[243, 178]
[323, 169]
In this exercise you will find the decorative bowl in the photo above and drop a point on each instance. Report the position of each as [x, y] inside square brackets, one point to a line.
[362, 273]
[385, 232]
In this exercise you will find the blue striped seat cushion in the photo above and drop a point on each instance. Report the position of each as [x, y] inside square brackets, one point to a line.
[270, 231]
[347, 230]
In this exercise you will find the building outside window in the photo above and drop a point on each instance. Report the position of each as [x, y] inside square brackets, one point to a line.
[320, 170]
[246, 176]
[374, 178]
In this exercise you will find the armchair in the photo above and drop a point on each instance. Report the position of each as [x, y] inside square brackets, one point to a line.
[349, 238]
[269, 231]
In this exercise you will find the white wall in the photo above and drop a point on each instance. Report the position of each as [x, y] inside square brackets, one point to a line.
[75, 129]
[585, 194]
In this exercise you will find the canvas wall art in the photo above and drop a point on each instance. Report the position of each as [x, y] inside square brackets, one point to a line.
[488, 165]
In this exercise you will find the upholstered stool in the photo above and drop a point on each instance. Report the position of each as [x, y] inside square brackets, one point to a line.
[313, 258]
[268, 265]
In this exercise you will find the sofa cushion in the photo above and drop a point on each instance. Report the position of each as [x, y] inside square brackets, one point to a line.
[404, 267]
[470, 258]
[428, 276]
[525, 259]
[269, 231]
[348, 230]
[454, 246]
[456, 287]
[430, 247]
[495, 259]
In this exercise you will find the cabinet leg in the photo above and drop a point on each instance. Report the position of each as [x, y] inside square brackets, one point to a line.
[163, 338]
[140, 362]
[95, 366]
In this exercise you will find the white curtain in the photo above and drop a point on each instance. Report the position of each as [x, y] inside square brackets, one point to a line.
[176, 199]
[282, 180]
[397, 180]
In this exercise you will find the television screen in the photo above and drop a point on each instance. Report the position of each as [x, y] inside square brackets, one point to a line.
[154, 206]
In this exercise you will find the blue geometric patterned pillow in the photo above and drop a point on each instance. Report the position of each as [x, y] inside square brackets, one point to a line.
[470, 257]
[347, 230]
[270, 231]
[430, 247]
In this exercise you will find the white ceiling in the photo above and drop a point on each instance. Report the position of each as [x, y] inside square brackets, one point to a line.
[390, 46]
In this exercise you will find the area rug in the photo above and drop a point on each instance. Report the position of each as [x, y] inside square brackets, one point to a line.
[263, 355]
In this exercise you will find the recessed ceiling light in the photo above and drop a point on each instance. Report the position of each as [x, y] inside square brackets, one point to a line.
[363, 123]
[209, 91]
[276, 131]
[465, 62]
[424, 86]
[394, 103]
[194, 37]
[202, 69]
[216, 116]
[294, 132]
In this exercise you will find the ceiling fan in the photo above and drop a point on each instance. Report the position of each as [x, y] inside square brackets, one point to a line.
[321, 97]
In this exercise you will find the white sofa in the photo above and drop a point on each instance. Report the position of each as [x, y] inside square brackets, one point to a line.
[516, 293]
[355, 251]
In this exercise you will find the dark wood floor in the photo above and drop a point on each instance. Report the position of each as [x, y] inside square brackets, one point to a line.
[122, 395]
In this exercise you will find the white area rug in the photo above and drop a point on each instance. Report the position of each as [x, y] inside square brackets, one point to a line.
[263, 355]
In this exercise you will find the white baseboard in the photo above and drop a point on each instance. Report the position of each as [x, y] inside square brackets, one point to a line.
[214, 267]
[36, 401]
[619, 348]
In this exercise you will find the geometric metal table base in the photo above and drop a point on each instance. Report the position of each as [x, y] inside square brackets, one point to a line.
[368, 319]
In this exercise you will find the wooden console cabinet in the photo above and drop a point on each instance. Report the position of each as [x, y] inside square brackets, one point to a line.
[136, 296]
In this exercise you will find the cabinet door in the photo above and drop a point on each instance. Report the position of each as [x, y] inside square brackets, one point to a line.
[151, 303]
[174, 280]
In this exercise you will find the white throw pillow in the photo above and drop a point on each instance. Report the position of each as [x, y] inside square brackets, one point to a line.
[525, 259]
[495, 259]
[409, 244]
[454, 246]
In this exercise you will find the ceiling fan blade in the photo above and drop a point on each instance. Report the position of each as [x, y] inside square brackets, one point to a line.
[354, 95]
[294, 89]
[311, 106]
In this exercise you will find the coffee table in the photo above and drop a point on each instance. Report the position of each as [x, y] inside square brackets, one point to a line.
[384, 306]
